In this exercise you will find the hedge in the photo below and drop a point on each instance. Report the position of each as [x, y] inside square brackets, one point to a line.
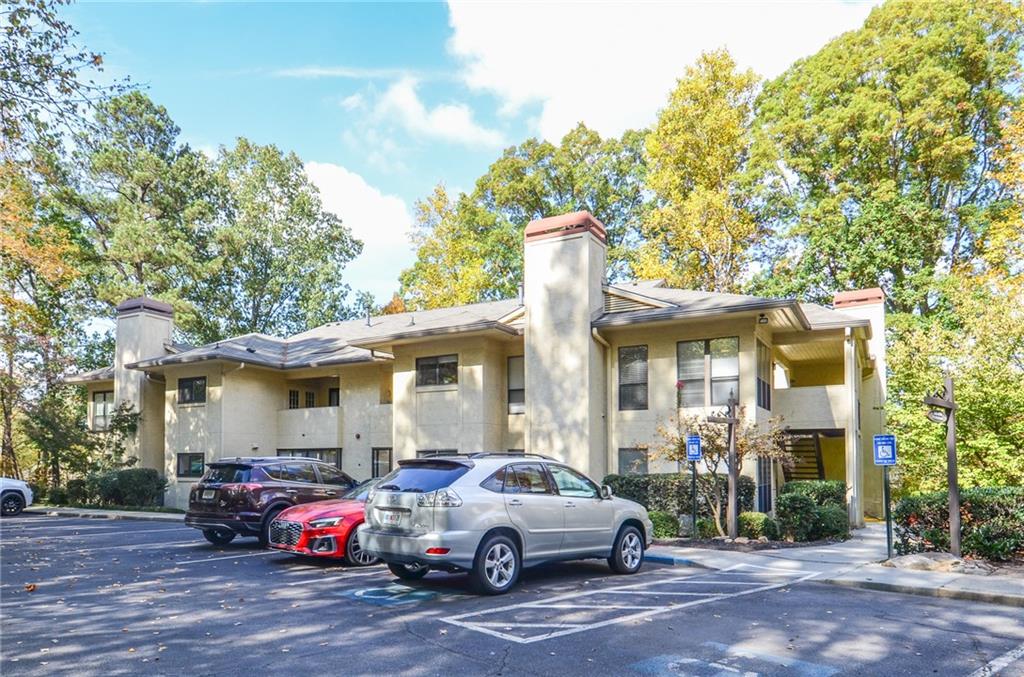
[801, 520]
[666, 525]
[991, 522]
[670, 492]
[822, 492]
[757, 524]
[132, 486]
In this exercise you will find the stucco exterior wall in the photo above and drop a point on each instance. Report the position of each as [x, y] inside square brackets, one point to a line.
[365, 422]
[191, 428]
[142, 334]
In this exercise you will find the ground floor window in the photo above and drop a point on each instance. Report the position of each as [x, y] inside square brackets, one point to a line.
[764, 485]
[102, 409]
[332, 456]
[190, 465]
[633, 461]
[381, 461]
[426, 453]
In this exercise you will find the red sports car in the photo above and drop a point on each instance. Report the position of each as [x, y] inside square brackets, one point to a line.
[324, 528]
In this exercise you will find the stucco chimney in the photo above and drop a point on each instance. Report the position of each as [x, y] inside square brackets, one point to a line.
[564, 272]
[144, 326]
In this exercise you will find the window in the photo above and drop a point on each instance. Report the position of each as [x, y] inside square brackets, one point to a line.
[226, 473]
[190, 465]
[632, 378]
[427, 453]
[690, 373]
[764, 485]
[333, 397]
[516, 385]
[310, 399]
[192, 390]
[529, 479]
[102, 409]
[725, 369]
[437, 371]
[331, 475]
[293, 472]
[632, 461]
[764, 376]
[332, 456]
[293, 399]
[708, 367]
[380, 461]
[497, 481]
[571, 483]
[423, 477]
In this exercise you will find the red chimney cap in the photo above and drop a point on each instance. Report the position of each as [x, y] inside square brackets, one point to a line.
[565, 224]
[858, 297]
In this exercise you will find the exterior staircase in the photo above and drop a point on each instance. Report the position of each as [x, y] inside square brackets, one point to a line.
[805, 448]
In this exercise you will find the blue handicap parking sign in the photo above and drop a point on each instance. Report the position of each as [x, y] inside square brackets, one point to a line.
[693, 449]
[885, 450]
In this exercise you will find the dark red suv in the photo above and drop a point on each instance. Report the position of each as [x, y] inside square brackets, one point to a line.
[242, 496]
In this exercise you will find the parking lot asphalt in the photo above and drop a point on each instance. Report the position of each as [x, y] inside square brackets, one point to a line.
[86, 597]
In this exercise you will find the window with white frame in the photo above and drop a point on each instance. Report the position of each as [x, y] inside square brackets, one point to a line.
[516, 385]
[764, 376]
[437, 371]
[102, 409]
[192, 390]
[708, 371]
[633, 461]
[632, 378]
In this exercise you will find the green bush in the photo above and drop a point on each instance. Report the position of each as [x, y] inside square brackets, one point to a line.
[757, 524]
[76, 491]
[795, 514]
[670, 492]
[706, 528]
[57, 496]
[822, 492]
[830, 521]
[38, 492]
[991, 522]
[131, 486]
[666, 525]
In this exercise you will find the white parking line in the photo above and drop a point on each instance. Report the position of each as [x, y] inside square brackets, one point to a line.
[559, 630]
[1000, 663]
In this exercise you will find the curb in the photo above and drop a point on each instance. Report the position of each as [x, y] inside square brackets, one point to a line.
[142, 517]
[945, 593]
[675, 561]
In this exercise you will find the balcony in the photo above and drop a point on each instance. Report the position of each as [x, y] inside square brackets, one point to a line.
[811, 407]
[309, 428]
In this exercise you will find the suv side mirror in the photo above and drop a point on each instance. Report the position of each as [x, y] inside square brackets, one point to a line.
[606, 492]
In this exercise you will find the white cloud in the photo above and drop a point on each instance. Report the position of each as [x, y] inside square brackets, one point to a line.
[381, 221]
[353, 101]
[447, 122]
[613, 65]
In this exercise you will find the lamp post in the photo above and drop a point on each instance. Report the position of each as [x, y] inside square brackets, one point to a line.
[943, 410]
[729, 418]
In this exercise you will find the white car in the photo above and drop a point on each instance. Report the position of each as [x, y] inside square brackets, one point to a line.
[15, 496]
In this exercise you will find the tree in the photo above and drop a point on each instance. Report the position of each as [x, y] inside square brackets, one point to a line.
[277, 257]
[878, 150]
[752, 441]
[700, 233]
[469, 249]
[45, 87]
[978, 338]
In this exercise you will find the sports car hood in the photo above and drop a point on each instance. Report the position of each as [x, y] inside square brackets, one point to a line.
[333, 508]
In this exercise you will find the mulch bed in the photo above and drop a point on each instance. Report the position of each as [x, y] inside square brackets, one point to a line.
[752, 546]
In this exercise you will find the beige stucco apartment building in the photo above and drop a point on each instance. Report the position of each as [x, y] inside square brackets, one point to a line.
[578, 369]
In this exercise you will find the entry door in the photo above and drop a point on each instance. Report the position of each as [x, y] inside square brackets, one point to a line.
[534, 507]
[589, 519]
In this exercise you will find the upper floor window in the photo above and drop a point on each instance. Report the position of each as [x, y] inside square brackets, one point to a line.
[764, 376]
[708, 371]
[437, 371]
[293, 399]
[102, 409]
[632, 378]
[310, 399]
[516, 385]
[192, 390]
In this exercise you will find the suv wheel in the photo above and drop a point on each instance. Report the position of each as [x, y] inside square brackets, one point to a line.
[354, 553]
[409, 572]
[497, 564]
[12, 504]
[628, 551]
[265, 527]
[219, 536]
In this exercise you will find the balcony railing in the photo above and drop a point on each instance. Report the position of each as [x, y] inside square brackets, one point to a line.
[309, 428]
[812, 407]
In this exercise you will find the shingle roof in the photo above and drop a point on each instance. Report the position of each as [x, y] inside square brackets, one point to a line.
[101, 374]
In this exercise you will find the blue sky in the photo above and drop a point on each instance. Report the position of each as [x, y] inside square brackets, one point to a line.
[383, 101]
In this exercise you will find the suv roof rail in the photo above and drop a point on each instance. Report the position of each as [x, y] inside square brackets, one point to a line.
[487, 454]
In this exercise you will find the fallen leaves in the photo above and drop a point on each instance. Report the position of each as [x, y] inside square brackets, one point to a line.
[30, 587]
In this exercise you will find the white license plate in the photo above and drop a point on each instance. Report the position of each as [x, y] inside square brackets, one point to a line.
[208, 494]
[390, 517]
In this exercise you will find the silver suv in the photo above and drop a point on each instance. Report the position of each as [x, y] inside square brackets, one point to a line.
[492, 514]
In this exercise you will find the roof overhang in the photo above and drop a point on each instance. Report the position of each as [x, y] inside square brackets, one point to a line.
[790, 307]
[96, 376]
[493, 328]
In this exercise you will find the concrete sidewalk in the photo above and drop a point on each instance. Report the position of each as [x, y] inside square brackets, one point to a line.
[94, 513]
[854, 563]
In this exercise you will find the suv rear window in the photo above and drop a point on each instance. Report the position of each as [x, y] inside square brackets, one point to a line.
[225, 473]
[423, 477]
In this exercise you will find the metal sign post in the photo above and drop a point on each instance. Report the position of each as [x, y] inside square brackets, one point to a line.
[731, 420]
[693, 454]
[944, 410]
[885, 456]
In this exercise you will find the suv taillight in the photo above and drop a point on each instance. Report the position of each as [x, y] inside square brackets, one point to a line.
[233, 489]
[442, 498]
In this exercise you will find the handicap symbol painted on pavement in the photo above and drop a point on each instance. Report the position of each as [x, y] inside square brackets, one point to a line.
[394, 594]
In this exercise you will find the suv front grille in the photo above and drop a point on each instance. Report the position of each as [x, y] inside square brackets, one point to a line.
[285, 533]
